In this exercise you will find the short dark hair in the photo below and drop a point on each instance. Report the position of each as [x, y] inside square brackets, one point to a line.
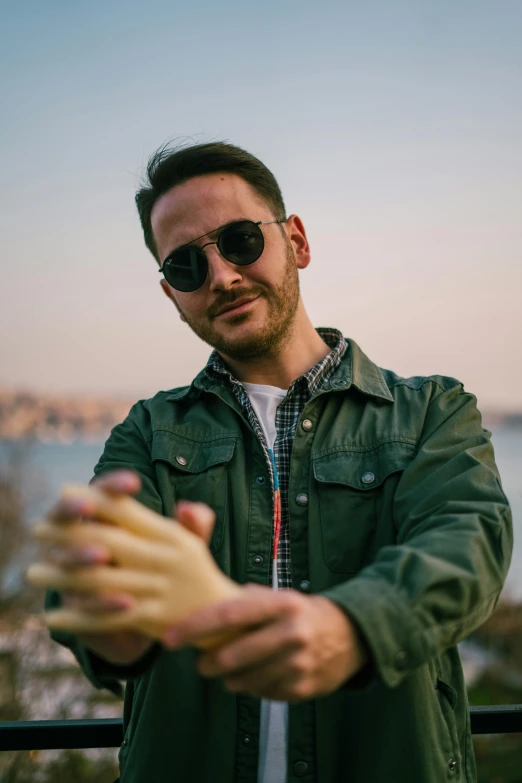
[169, 167]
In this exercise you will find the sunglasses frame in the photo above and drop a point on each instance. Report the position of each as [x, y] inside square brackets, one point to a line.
[220, 231]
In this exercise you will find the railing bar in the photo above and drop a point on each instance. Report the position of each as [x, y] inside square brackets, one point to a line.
[61, 734]
[108, 732]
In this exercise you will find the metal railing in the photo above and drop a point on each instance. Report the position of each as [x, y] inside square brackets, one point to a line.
[108, 733]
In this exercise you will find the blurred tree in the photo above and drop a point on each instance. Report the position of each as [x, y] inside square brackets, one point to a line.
[21, 489]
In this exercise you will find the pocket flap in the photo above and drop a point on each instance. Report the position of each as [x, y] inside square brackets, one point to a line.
[191, 456]
[363, 470]
[449, 692]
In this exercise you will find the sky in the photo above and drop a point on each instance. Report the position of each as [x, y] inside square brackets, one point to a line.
[394, 130]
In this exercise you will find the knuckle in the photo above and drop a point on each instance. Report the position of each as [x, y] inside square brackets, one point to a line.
[118, 481]
[299, 633]
[292, 601]
[229, 613]
[298, 665]
[61, 512]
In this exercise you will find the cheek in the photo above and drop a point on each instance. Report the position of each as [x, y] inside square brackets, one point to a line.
[192, 306]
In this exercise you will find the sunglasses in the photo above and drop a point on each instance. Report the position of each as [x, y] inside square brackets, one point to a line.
[241, 242]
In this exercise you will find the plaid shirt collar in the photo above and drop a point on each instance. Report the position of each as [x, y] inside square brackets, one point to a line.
[311, 381]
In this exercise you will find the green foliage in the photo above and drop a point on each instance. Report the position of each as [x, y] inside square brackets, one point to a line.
[499, 758]
[491, 689]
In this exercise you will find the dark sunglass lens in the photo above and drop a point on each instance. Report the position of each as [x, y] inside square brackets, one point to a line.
[241, 243]
[186, 269]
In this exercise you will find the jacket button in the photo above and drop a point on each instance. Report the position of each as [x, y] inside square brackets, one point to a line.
[258, 560]
[300, 768]
[260, 480]
[181, 460]
[452, 764]
[401, 659]
[307, 425]
[368, 478]
[304, 586]
[246, 739]
[302, 499]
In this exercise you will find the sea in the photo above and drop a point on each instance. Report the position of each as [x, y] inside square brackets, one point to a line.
[49, 465]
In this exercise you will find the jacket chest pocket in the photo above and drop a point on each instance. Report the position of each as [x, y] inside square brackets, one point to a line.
[355, 490]
[198, 472]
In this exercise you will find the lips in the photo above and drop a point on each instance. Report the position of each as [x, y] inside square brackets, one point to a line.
[238, 302]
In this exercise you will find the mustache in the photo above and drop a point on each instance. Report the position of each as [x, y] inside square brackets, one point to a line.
[230, 298]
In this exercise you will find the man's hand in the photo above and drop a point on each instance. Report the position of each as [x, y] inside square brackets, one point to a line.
[292, 647]
[120, 647]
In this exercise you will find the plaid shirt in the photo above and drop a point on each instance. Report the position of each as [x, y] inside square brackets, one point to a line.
[287, 418]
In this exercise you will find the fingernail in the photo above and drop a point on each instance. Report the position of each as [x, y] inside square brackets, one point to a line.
[92, 555]
[122, 485]
[76, 506]
[119, 602]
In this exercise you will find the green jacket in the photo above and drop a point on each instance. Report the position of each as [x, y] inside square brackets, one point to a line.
[406, 528]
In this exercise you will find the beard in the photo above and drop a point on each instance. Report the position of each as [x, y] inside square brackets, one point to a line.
[282, 302]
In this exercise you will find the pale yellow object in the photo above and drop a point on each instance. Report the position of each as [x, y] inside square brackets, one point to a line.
[168, 569]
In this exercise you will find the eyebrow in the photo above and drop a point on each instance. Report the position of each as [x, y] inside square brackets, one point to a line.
[208, 233]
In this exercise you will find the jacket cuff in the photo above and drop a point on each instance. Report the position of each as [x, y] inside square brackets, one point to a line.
[385, 624]
[101, 673]
[367, 676]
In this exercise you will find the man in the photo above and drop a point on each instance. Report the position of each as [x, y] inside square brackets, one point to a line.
[375, 498]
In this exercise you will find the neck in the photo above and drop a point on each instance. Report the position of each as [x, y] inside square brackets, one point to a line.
[300, 351]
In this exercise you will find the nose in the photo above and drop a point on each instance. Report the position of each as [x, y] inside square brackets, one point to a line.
[222, 274]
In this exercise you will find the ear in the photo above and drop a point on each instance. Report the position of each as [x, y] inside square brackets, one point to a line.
[167, 290]
[297, 235]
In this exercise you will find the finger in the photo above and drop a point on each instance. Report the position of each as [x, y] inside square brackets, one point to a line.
[196, 517]
[115, 483]
[141, 617]
[87, 603]
[247, 612]
[97, 579]
[69, 510]
[76, 558]
[271, 642]
[122, 547]
[118, 482]
[123, 511]
[77, 621]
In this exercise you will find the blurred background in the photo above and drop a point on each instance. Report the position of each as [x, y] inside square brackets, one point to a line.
[394, 130]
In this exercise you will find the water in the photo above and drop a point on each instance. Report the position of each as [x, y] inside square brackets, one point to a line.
[508, 454]
[54, 464]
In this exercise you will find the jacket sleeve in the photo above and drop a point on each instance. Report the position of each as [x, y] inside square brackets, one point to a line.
[443, 577]
[127, 447]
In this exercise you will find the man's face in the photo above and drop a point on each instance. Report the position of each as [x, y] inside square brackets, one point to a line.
[271, 283]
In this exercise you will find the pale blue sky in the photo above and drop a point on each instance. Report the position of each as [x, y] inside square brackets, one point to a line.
[394, 130]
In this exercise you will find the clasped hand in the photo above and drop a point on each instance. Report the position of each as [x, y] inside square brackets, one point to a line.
[279, 645]
[289, 647]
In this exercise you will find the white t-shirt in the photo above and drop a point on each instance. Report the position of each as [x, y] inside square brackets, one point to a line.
[273, 737]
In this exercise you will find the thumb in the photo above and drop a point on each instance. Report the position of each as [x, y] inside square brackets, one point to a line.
[196, 517]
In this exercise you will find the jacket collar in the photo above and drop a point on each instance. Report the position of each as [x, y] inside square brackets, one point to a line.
[355, 369]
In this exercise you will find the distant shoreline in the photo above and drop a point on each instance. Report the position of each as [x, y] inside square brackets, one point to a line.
[99, 439]
[67, 419]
